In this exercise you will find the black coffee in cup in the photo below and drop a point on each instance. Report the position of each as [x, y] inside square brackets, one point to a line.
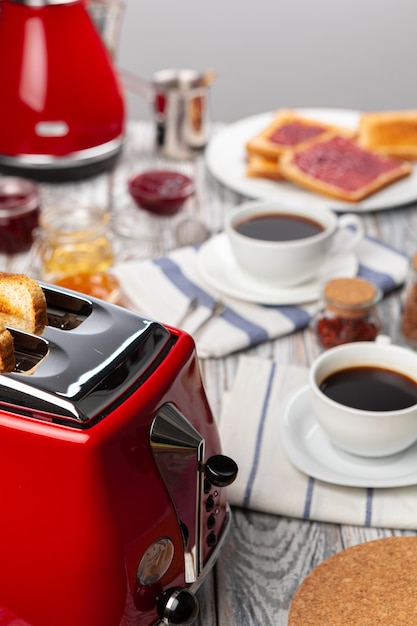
[279, 227]
[371, 388]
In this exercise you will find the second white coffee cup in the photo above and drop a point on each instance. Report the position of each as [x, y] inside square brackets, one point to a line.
[286, 246]
[364, 396]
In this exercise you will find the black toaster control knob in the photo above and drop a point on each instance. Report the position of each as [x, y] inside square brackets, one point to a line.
[220, 470]
[177, 606]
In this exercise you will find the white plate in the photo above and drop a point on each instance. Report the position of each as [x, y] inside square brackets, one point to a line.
[226, 160]
[217, 266]
[309, 449]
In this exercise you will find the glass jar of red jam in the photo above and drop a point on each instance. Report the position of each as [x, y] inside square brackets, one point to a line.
[161, 192]
[409, 304]
[19, 214]
[348, 312]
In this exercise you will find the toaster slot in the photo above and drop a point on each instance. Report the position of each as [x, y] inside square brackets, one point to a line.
[65, 311]
[29, 351]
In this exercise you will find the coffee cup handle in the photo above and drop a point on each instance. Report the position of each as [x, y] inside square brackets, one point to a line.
[347, 221]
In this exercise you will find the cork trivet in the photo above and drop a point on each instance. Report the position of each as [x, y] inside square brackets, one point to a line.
[371, 584]
[344, 294]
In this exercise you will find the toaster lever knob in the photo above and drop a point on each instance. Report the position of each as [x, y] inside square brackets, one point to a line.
[220, 470]
[177, 606]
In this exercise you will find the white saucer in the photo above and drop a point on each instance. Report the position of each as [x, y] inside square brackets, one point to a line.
[217, 266]
[309, 449]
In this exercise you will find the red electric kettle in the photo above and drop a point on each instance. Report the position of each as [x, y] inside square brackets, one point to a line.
[62, 110]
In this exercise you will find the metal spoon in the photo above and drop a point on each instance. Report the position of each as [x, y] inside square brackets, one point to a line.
[192, 306]
[218, 308]
[191, 231]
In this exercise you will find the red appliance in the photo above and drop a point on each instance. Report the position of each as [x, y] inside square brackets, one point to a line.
[112, 478]
[62, 109]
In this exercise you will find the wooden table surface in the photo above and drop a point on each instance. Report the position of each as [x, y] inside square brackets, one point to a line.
[266, 556]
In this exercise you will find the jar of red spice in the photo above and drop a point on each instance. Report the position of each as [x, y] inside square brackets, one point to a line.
[348, 312]
[409, 307]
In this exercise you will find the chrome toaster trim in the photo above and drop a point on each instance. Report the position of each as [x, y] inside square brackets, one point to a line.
[178, 450]
[93, 353]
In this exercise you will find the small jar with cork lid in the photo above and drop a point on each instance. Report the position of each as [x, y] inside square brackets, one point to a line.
[348, 312]
[409, 305]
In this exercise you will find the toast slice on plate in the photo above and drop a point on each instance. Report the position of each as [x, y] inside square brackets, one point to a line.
[286, 131]
[390, 132]
[335, 165]
[259, 166]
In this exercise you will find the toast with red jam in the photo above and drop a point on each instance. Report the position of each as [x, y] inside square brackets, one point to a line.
[335, 165]
[286, 131]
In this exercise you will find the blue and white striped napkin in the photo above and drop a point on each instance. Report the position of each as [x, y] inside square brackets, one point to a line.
[161, 288]
[267, 481]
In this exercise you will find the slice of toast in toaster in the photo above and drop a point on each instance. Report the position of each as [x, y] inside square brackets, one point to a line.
[335, 165]
[7, 358]
[286, 131]
[22, 303]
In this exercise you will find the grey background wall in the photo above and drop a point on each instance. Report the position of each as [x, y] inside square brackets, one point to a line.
[359, 54]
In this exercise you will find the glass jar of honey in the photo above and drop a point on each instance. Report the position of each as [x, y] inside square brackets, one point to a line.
[347, 312]
[75, 246]
[103, 285]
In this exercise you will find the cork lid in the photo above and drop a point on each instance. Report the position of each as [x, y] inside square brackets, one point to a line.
[350, 296]
[372, 583]
[414, 261]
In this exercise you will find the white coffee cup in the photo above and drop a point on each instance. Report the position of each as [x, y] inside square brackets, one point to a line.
[294, 262]
[359, 431]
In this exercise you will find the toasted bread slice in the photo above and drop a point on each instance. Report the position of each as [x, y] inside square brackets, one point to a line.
[390, 132]
[286, 131]
[7, 357]
[260, 167]
[335, 165]
[22, 303]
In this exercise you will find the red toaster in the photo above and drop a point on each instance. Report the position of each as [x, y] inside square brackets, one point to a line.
[112, 482]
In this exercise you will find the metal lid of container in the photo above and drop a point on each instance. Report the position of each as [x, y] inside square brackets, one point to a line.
[182, 80]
